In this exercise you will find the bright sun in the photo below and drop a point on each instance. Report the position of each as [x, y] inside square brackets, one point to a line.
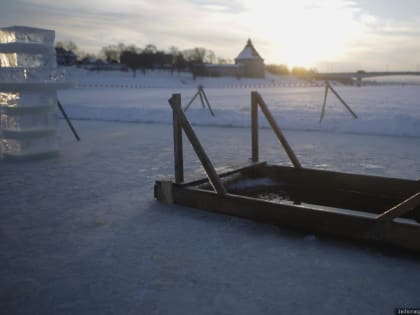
[302, 35]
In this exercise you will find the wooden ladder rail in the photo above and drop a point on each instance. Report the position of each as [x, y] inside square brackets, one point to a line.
[258, 101]
[329, 87]
[180, 122]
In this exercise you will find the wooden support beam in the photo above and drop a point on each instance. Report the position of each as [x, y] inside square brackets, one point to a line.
[325, 102]
[308, 219]
[205, 161]
[400, 209]
[191, 101]
[201, 96]
[341, 100]
[178, 149]
[68, 121]
[254, 127]
[206, 100]
[278, 132]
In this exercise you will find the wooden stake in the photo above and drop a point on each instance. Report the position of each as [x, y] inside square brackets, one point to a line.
[68, 120]
[207, 100]
[178, 148]
[325, 102]
[254, 127]
[342, 101]
[205, 161]
[203, 98]
[278, 132]
[191, 101]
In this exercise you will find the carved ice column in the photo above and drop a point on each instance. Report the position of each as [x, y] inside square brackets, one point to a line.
[28, 93]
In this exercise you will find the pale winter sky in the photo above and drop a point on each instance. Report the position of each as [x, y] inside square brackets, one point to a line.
[332, 35]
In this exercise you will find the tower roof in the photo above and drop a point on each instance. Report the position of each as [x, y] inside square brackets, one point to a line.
[249, 52]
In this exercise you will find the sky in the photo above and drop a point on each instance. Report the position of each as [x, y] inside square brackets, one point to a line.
[330, 35]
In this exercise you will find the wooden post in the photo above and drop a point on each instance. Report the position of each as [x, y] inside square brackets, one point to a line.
[205, 161]
[325, 101]
[254, 126]
[342, 101]
[200, 93]
[207, 100]
[178, 149]
[191, 101]
[68, 120]
[203, 98]
[278, 132]
[400, 209]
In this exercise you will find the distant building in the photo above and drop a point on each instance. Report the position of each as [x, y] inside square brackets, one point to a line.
[251, 61]
[219, 70]
[248, 64]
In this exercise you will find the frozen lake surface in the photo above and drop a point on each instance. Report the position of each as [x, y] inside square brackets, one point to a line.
[381, 110]
[82, 234]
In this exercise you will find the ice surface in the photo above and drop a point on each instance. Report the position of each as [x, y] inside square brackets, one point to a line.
[82, 233]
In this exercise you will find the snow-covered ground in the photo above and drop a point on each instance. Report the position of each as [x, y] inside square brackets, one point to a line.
[296, 105]
[82, 234]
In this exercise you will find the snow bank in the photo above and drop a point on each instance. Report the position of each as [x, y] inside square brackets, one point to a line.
[382, 110]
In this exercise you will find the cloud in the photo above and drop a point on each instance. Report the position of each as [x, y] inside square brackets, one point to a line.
[343, 31]
[94, 24]
[233, 6]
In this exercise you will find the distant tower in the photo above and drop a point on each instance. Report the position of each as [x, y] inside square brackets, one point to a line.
[251, 61]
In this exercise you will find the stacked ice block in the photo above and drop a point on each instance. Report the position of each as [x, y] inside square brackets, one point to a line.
[28, 92]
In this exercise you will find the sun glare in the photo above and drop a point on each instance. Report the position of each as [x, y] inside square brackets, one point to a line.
[303, 35]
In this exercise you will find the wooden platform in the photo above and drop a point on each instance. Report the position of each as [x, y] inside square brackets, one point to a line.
[377, 209]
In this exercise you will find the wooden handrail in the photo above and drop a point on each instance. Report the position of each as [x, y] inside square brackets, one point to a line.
[182, 122]
[257, 100]
[329, 87]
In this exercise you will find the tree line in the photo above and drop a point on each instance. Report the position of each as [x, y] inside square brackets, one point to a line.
[150, 57]
[146, 58]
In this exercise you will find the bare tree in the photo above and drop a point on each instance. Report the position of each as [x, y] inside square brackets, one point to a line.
[199, 55]
[150, 49]
[111, 53]
[67, 45]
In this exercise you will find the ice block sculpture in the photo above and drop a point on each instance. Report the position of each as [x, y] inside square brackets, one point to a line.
[28, 92]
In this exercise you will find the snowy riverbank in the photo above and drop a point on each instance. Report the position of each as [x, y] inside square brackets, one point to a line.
[296, 105]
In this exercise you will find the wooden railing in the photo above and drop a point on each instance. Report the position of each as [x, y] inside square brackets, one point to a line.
[258, 101]
[181, 123]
